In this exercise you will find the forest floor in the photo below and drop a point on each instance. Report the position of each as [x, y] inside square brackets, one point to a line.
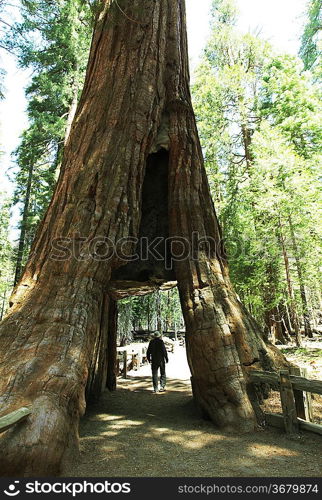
[133, 432]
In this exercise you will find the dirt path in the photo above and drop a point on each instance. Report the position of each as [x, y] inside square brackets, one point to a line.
[133, 432]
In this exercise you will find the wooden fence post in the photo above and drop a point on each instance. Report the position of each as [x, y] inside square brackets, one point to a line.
[288, 403]
[140, 357]
[125, 364]
[303, 400]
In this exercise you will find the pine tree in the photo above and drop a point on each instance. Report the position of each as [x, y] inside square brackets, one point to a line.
[292, 102]
[53, 39]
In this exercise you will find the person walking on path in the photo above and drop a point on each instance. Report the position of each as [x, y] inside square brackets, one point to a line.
[157, 355]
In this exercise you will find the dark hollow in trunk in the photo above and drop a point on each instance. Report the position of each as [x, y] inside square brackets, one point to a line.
[154, 263]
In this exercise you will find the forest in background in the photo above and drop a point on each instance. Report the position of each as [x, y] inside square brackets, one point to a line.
[259, 118]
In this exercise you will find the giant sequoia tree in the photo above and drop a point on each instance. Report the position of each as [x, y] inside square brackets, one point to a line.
[132, 168]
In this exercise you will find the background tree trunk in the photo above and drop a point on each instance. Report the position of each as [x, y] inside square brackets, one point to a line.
[135, 100]
[305, 308]
[293, 312]
[24, 223]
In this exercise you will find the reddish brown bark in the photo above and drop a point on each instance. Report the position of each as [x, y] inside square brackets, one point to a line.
[102, 368]
[136, 99]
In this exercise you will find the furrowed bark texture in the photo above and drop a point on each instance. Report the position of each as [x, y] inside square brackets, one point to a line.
[53, 342]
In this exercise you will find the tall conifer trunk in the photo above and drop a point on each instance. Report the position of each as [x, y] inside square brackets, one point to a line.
[24, 223]
[292, 304]
[305, 308]
[135, 101]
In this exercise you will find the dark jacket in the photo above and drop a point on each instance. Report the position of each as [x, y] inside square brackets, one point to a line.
[157, 352]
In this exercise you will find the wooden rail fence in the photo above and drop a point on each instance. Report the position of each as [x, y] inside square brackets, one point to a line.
[296, 400]
[131, 357]
[295, 392]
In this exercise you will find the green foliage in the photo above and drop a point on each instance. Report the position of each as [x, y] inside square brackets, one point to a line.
[53, 40]
[287, 186]
[224, 12]
[259, 118]
[311, 46]
[291, 101]
[3, 29]
[225, 94]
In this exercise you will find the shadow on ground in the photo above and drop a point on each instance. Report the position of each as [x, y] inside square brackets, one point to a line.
[133, 432]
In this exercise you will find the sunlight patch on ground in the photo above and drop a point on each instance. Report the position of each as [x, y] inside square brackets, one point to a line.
[187, 440]
[260, 450]
[177, 368]
[106, 418]
[126, 423]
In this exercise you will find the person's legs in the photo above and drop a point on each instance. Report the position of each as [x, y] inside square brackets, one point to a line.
[163, 378]
[155, 370]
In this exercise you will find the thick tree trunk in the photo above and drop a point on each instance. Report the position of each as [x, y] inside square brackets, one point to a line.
[135, 101]
[305, 308]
